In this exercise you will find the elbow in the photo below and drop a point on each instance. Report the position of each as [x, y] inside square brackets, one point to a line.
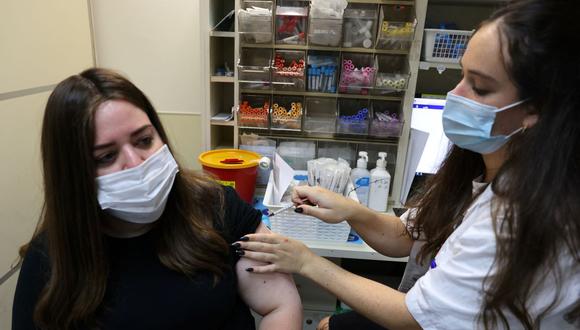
[286, 314]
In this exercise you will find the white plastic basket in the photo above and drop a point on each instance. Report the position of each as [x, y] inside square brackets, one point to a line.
[445, 45]
[303, 227]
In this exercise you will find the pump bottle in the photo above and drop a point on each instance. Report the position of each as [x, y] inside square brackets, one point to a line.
[360, 177]
[379, 185]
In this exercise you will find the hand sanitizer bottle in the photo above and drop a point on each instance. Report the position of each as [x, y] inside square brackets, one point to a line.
[360, 177]
[379, 185]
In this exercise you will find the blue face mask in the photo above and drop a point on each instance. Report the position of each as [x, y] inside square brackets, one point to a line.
[468, 124]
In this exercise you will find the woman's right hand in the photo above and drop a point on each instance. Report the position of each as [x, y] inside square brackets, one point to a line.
[332, 207]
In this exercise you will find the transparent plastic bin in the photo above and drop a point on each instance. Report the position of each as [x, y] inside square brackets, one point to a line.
[297, 153]
[255, 22]
[396, 27]
[353, 117]
[254, 68]
[287, 112]
[288, 70]
[358, 73]
[322, 72]
[392, 74]
[446, 46]
[334, 150]
[359, 26]
[325, 31]
[387, 119]
[320, 116]
[291, 24]
[253, 111]
[303, 227]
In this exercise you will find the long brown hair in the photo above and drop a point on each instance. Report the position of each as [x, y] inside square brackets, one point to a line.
[537, 190]
[189, 238]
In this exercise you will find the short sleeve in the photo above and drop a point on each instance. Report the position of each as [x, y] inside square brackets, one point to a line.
[405, 216]
[240, 218]
[33, 276]
[449, 295]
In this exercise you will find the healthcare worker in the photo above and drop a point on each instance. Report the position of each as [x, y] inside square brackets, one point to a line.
[498, 227]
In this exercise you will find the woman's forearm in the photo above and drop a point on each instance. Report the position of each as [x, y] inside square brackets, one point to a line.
[383, 232]
[373, 300]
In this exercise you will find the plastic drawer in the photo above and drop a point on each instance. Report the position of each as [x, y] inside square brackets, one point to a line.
[320, 116]
[288, 71]
[254, 68]
[396, 27]
[353, 117]
[255, 22]
[291, 24]
[387, 120]
[287, 112]
[359, 26]
[254, 111]
[358, 73]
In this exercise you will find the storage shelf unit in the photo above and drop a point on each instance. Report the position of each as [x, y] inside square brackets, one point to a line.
[222, 34]
[222, 123]
[327, 95]
[222, 79]
[441, 67]
[324, 48]
[271, 87]
[436, 77]
[221, 46]
[289, 135]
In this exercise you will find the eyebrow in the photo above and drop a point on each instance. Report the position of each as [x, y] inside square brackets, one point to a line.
[478, 73]
[135, 133]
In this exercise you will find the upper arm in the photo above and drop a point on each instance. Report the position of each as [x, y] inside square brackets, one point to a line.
[265, 293]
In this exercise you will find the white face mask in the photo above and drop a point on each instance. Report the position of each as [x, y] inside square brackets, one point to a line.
[139, 194]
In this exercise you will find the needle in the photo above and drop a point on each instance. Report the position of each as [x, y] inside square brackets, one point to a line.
[304, 201]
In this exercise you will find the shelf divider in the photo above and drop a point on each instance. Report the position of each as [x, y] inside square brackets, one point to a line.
[222, 34]
[222, 79]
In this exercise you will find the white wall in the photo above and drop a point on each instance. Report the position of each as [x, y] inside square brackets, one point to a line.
[41, 43]
[157, 44]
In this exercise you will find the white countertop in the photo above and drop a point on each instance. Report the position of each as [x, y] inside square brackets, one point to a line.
[348, 250]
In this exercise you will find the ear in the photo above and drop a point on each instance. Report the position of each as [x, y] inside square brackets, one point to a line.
[530, 120]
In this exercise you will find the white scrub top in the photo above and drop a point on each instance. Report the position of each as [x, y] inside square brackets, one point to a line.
[449, 296]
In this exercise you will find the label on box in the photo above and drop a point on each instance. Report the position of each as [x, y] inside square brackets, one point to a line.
[227, 183]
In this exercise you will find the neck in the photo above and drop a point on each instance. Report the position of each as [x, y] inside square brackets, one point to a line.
[123, 229]
[493, 162]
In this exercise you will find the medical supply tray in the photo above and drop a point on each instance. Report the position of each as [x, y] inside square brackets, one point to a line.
[304, 227]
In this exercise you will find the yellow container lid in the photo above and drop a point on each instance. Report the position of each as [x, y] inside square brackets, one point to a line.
[230, 159]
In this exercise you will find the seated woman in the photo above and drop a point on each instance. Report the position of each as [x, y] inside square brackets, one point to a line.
[128, 239]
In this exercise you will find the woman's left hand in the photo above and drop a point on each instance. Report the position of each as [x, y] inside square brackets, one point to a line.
[283, 254]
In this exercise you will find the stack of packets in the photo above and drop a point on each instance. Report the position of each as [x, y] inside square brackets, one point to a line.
[329, 173]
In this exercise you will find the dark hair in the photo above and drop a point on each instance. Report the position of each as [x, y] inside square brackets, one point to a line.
[188, 240]
[538, 186]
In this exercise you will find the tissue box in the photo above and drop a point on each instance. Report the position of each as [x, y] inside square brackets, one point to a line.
[303, 227]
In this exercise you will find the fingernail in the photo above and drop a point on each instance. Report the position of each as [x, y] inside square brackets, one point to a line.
[240, 252]
[250, 269]
[298, 210]
[244, 239]
[237, 245]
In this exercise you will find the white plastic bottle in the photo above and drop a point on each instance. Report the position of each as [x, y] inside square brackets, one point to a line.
[379, 185]
[360, 177]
